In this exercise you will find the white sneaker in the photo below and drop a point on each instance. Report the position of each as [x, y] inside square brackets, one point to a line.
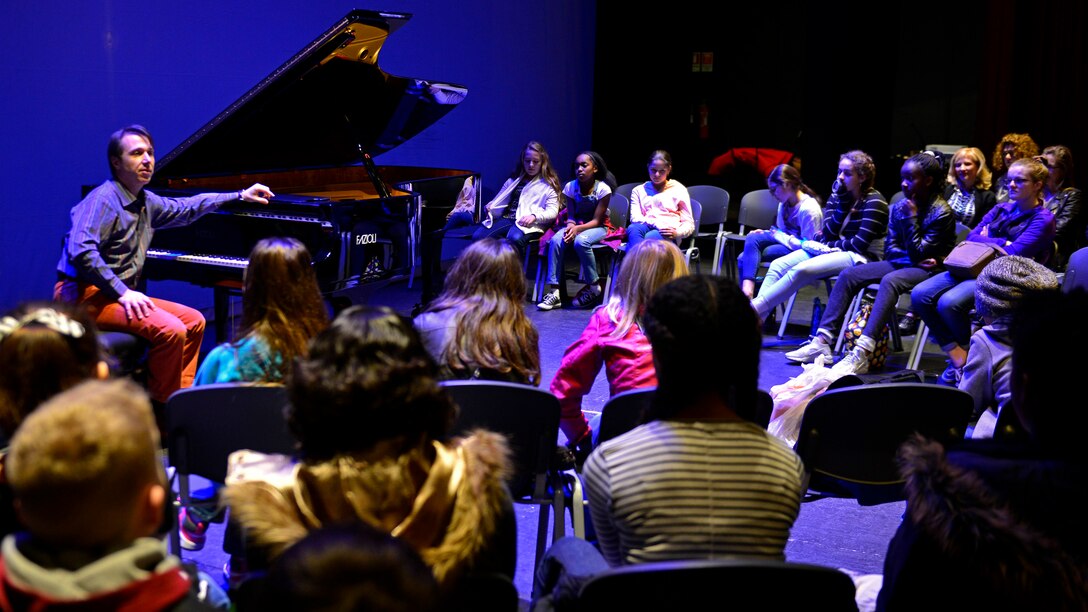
[551, 300]
[810, 351]
[854, 362]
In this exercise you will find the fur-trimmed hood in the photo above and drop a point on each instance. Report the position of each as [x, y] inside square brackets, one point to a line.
[996, 556]
[445, 500]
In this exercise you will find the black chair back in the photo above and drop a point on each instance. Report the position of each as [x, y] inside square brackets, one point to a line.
[740, 583]
[623, 412]
[758, 210]
[850, 438]
[204, 425]
[619, 210]
[527, 416]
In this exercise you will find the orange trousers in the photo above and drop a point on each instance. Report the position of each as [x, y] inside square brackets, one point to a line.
[175, 332]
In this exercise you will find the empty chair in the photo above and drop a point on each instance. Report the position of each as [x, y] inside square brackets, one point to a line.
[204, 425]
[715, 212]
[623, 412]
[529, 418]
[694, 585]
[619, 211]
[850, 437]
[625, 189]
[687, 245]
[758, 210]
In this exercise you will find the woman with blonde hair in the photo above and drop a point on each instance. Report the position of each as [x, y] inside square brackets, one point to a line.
[477, 326]
[614, 338]
[968, 190]
[1022, 226]
[968, 195]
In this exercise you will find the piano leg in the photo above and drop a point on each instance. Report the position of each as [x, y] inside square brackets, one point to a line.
[222, 309]
[221, 292]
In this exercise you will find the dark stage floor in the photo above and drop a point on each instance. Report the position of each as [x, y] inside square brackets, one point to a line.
[830, 532]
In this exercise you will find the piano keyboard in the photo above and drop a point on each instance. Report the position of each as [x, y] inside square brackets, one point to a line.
[224, 261]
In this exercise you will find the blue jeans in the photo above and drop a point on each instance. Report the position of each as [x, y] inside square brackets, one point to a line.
[583, 248]
[637, 232]
[757, 249]
[791, 272]
[893, 283]
[504, 228]
[567, 565]
[945, 304]
[459, 219]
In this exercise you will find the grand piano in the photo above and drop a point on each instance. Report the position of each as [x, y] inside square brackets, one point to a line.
[310, 131]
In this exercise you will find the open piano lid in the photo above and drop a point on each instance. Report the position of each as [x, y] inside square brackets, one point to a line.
[324, 107]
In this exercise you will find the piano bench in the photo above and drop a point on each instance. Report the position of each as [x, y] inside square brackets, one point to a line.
[126, 353]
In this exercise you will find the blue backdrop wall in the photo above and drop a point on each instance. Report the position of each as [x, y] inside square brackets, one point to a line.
[72, 72]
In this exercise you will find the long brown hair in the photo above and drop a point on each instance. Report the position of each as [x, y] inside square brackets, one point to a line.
[486, 288]
[651, 264]
[281, 303]
[790, 178]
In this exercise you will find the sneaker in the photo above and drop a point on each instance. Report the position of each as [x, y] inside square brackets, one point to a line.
[908, 325]
[854, 362]
[551, 300]
[951, 376]
[587, 297]
[193, 532]
[810, 351]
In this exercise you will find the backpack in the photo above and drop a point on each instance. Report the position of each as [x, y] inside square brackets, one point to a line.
[857, 326]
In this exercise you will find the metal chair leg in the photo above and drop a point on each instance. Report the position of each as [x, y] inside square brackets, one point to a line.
[920, 339]
[786, 316]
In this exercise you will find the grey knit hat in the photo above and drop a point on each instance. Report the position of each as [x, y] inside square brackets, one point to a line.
[1003, 283]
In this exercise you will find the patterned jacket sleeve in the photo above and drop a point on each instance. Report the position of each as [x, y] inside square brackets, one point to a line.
[873, 225]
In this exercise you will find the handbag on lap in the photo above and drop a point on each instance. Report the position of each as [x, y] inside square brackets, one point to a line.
[967, 259]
